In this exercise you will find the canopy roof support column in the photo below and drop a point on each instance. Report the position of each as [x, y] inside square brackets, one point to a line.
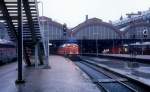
[20, 43]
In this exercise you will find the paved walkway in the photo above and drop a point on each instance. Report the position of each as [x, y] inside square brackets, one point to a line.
[64, 76]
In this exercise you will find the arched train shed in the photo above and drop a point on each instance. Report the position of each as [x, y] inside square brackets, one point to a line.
[94, 33]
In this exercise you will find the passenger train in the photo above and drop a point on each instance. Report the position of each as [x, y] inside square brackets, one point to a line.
[70, 49]
[7, 52]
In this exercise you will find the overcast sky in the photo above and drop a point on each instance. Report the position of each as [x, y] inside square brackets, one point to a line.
[73, 12]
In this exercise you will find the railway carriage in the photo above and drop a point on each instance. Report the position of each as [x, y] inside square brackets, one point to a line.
[68, 49]
[7, 51]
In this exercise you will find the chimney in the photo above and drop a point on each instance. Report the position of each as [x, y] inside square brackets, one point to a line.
[86, 17]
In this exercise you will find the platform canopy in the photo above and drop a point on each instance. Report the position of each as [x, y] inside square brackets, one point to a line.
[9, 16]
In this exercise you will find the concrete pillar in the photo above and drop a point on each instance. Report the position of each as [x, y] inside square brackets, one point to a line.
[47, 55]
[47, 46]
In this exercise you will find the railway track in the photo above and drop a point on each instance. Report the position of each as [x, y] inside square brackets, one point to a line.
[107, 81]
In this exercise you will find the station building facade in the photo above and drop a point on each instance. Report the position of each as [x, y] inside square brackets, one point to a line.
[135, 29]
[138, 31]
[95, 28]
[54, 31]
[94, 35]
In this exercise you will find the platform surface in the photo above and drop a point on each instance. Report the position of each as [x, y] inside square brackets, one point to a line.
[140, 73]
[64, 76]
[129, 56]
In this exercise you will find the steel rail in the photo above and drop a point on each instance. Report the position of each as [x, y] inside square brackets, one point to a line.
[104, 72]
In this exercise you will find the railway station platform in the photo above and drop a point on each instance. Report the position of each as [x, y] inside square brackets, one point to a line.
[129, 56]
[139, 58]
[64, 76]
[136, 72]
